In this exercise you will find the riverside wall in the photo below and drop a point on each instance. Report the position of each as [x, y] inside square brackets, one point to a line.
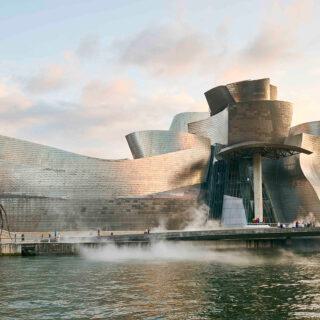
[245, 238]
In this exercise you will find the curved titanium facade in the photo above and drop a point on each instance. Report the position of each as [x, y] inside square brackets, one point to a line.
[218, 99]
[263, 120]
[307, 127]
[294, 182]
[249, 90]
[181, 120]
[95, 178]
[215, 128]
[310, 165]
[44, 188]
[155, 142]
[221, 97]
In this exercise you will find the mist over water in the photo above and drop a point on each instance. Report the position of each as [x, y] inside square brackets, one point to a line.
[166, 251]
[163, 281]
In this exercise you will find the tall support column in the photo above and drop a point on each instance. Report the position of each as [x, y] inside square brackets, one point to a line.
[257, 187]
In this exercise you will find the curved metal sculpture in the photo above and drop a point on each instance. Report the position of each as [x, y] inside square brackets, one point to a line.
[77, 176]
[250, 90]
[312, 127]
[221, 97]
[218, 99]
[155, 142]
[293, 183]
[180, 121]
[215, 127]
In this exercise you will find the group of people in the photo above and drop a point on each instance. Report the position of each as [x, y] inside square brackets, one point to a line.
[99, 233]
[258, 220]
[56, 237]
[297, 224]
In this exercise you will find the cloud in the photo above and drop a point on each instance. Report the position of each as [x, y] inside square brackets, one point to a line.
[115, 108]
[88, 47]
[12, 98]
[275, 45]
[167, 50]
[179, 50]
[97, 123]
[177, 59]
[47, 79]
[101, 95]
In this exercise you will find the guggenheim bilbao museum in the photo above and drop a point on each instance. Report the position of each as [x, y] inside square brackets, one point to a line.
[242, 160]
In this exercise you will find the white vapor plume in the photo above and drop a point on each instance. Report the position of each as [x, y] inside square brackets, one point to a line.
[162, 225]
[168, 251]
[199, 219]
[165, 251]
[195, 218]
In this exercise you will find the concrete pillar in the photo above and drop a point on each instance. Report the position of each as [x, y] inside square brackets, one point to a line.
[257, 187]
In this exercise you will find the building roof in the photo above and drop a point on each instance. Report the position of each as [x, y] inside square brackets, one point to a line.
[268, 150]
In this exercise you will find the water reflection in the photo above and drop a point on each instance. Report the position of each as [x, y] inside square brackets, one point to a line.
[263, 285]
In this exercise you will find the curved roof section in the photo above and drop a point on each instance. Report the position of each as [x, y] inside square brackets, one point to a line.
[312, 127]
[220, 97]
[155, 142]
[310, 166]
[35, 170]
[180, 121]
[248, 90]
[296, 191]
[268, 150]
[215, 127]
[261, 120]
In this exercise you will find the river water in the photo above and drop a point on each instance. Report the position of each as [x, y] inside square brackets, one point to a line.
[164, 281]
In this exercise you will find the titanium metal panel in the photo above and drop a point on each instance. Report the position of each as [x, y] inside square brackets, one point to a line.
[312, 127]
[155, 142]
[263, 120]
[215, 128]
[180, 121]
[310, 165]
[218, 99]
[104, 179]
[273, 92]
[27, 214]
[250, 90]
[293, 183]
[44, 188]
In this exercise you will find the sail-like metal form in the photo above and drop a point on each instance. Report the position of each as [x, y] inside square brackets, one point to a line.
[155, 142]
[181, 120]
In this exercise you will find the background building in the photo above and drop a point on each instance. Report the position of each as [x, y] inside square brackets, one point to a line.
[202, 158]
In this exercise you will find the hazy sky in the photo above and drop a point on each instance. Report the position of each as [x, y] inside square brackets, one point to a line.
[80, 75]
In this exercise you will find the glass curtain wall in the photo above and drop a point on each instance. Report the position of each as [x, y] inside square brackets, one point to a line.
[233, 177]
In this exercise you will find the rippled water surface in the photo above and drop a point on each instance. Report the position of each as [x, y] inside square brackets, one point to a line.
[162, 282]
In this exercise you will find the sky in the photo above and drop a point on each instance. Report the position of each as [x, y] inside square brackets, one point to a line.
[79, 75]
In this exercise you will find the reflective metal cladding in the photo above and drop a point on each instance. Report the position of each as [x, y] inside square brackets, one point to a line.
[155, 142]
[172, 171]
